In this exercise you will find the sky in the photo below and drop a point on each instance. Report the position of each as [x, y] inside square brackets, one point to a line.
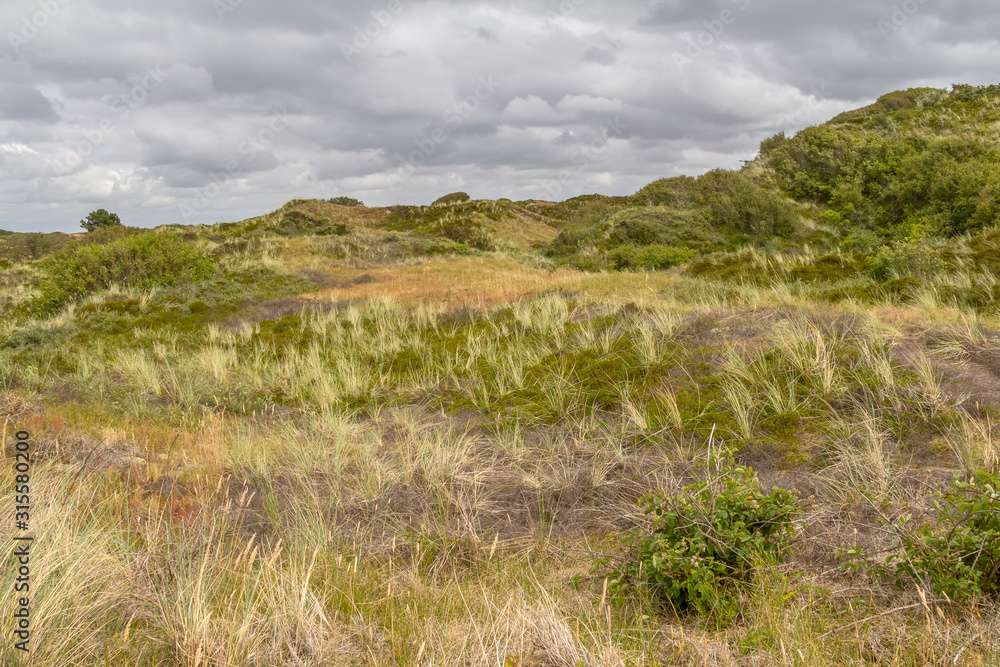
[204, 111]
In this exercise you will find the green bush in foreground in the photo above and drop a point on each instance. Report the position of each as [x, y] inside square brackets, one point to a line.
[959, 555]
[143, 261]
[706, 541]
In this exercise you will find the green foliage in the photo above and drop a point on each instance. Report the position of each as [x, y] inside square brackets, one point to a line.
[862, 241]
[105, 235]
[346, 201]
[299, 223]
[706, 541]
[143, 261]
[906, 259]
[741, 204]
[453, 198]
[950, 181]
[771, 143]
[677, 192]
[32, 245]
[640, 237]
[100, 218]
[916, 158]
[651, 257]
[463, 222]
[959, 554]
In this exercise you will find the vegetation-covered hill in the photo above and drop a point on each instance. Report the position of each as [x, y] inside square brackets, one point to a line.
[530, 433]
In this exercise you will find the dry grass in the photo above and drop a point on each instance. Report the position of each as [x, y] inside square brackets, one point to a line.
[440, 465]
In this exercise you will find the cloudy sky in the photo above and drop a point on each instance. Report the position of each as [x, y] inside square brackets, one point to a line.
[200, 111]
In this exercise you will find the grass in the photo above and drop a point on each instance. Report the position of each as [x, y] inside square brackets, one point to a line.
[363, 442]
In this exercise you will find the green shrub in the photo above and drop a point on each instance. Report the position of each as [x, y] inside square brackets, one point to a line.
[958, 555]
[346, 201]
[575, 238]
[862, 240]
[652, 257]
[32, 245]
[470, 234]
[772, 143]
[906, 259]
[453, 198]
[678, 191]
[706, 541]
[744, 206]
[144, 261]
[300, 223]
[647, 225]
[634, 229]
[105, 235]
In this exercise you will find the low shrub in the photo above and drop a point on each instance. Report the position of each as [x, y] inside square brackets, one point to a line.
[959, 554]
[109, 234]
[654, 257]
[142, 261]
[741, 204]
[906, 259]
[706, 541]
[299, 223]
[678, 191]
[19, 247]
[453, 198]
[346, 201]
[472, 235]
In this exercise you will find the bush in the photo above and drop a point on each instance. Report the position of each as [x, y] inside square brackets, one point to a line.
[346, 201]
[862, 241]
[143, 261]
[706, 541]
[654, 257]
[678, 191]
[299, 223]
[906, 259]
[453, 198]
[645, 225]
[32, 245]
[959, 555]
[744, 206]
[471, 234]
[100, 218]
[105, 235]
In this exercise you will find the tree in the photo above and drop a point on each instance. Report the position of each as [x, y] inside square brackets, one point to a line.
[100, 218]
[453, 198]
[346, 201]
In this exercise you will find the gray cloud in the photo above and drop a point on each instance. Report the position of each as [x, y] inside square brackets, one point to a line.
[365, 87]
[20, 102]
